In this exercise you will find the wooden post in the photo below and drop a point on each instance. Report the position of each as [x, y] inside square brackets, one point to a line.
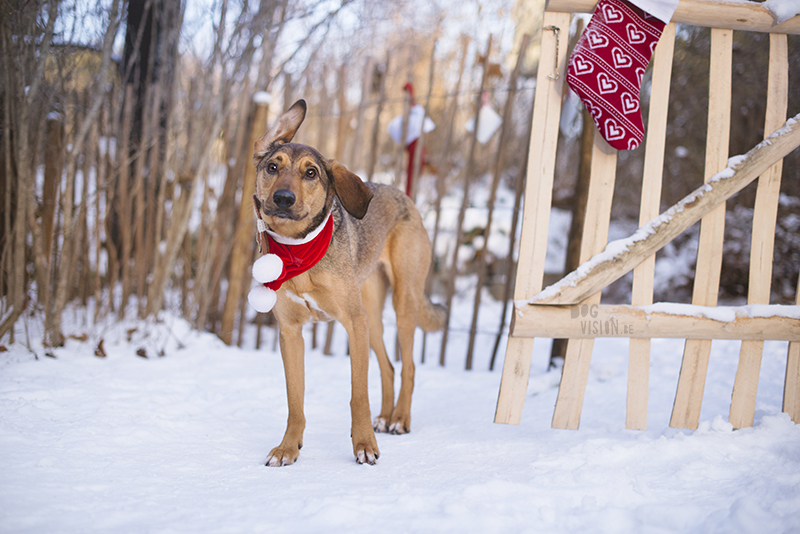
[123, 206]
[373, 151]
[416, 165]
[354, 162]
[536, 218]
[497, 173]
[642, 291]
[791, 388]
[245, 231]
[691, 383]
[578, 208]
[595, 236]
[765, 214]
[54, 158]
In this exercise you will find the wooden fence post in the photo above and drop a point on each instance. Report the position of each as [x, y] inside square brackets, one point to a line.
[642, 289]
[689, 397]
[765, 214]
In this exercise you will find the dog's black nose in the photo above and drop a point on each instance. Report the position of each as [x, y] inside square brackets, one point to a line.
[283, 198]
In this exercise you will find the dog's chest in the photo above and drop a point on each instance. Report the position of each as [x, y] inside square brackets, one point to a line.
[317, 313]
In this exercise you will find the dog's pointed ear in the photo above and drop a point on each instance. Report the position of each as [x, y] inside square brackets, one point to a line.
[282, 131]
[354, 194]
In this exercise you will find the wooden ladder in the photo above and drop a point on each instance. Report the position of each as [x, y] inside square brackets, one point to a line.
[550, 312]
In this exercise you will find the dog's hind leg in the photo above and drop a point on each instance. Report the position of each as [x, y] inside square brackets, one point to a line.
[373, 294]
[410, 254]
[406, 308]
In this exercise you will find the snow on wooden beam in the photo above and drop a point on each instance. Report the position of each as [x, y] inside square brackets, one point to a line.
[739, 15]
[620, 257]
[683, 321]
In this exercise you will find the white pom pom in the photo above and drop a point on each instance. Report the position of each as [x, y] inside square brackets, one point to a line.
[262, 298]
[267, 268]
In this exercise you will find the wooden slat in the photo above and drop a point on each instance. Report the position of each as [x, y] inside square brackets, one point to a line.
[536, 215]
[691, 383]
[791, 387]
[642, 292]
[734, 15]
[595, 237]
[765, 214]
[681, 321]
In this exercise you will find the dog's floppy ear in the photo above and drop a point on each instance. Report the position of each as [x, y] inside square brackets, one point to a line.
[282, 131]
[352, 192]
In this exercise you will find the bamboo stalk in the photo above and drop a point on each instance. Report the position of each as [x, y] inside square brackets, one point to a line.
[444, 170]
[498, 169]
[245, 232]
[453, 271]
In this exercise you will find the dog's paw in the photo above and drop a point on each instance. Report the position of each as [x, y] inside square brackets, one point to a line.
[399, 427]
[364, 456]
[366, 449]
[280, 456]
[380, 424]
[400, 422]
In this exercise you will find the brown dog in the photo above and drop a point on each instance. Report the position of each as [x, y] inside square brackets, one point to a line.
[378, 241]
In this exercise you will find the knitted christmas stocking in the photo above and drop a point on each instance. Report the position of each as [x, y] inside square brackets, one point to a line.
[607, 66]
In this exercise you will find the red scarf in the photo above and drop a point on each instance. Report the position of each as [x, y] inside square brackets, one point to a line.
[299, 257]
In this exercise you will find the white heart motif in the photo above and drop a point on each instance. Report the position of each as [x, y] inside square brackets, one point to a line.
[629, 103]
[605, 84]
[594, 111]
[640, 74]
[597, 40]
[611, 14]
[621, 59]
[613, 130]
[582, 66]
[634, 35]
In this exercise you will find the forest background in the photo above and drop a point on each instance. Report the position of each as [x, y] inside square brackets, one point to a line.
[127, 133]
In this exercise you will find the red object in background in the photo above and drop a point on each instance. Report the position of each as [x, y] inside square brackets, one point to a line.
[411, 148]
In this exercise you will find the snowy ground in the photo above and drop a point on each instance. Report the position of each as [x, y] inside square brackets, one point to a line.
[177, 443]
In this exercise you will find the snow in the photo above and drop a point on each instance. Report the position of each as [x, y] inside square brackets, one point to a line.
[782, 10]
[177, 443]
[725, 314]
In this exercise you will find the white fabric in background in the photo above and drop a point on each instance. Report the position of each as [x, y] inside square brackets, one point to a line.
[661, 9]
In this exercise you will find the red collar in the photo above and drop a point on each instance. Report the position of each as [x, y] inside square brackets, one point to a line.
[298, 256]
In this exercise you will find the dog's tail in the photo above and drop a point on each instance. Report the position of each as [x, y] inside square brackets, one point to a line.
[432, 317]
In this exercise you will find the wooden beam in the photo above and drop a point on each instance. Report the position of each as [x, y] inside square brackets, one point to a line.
[681, 321]
[607, 267]
[747, 16]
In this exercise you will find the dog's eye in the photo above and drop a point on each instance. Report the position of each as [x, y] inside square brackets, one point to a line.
[272, 168]
[311, 173]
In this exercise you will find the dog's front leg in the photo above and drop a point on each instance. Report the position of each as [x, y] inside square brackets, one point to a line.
[365, 446]
[292, 352]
